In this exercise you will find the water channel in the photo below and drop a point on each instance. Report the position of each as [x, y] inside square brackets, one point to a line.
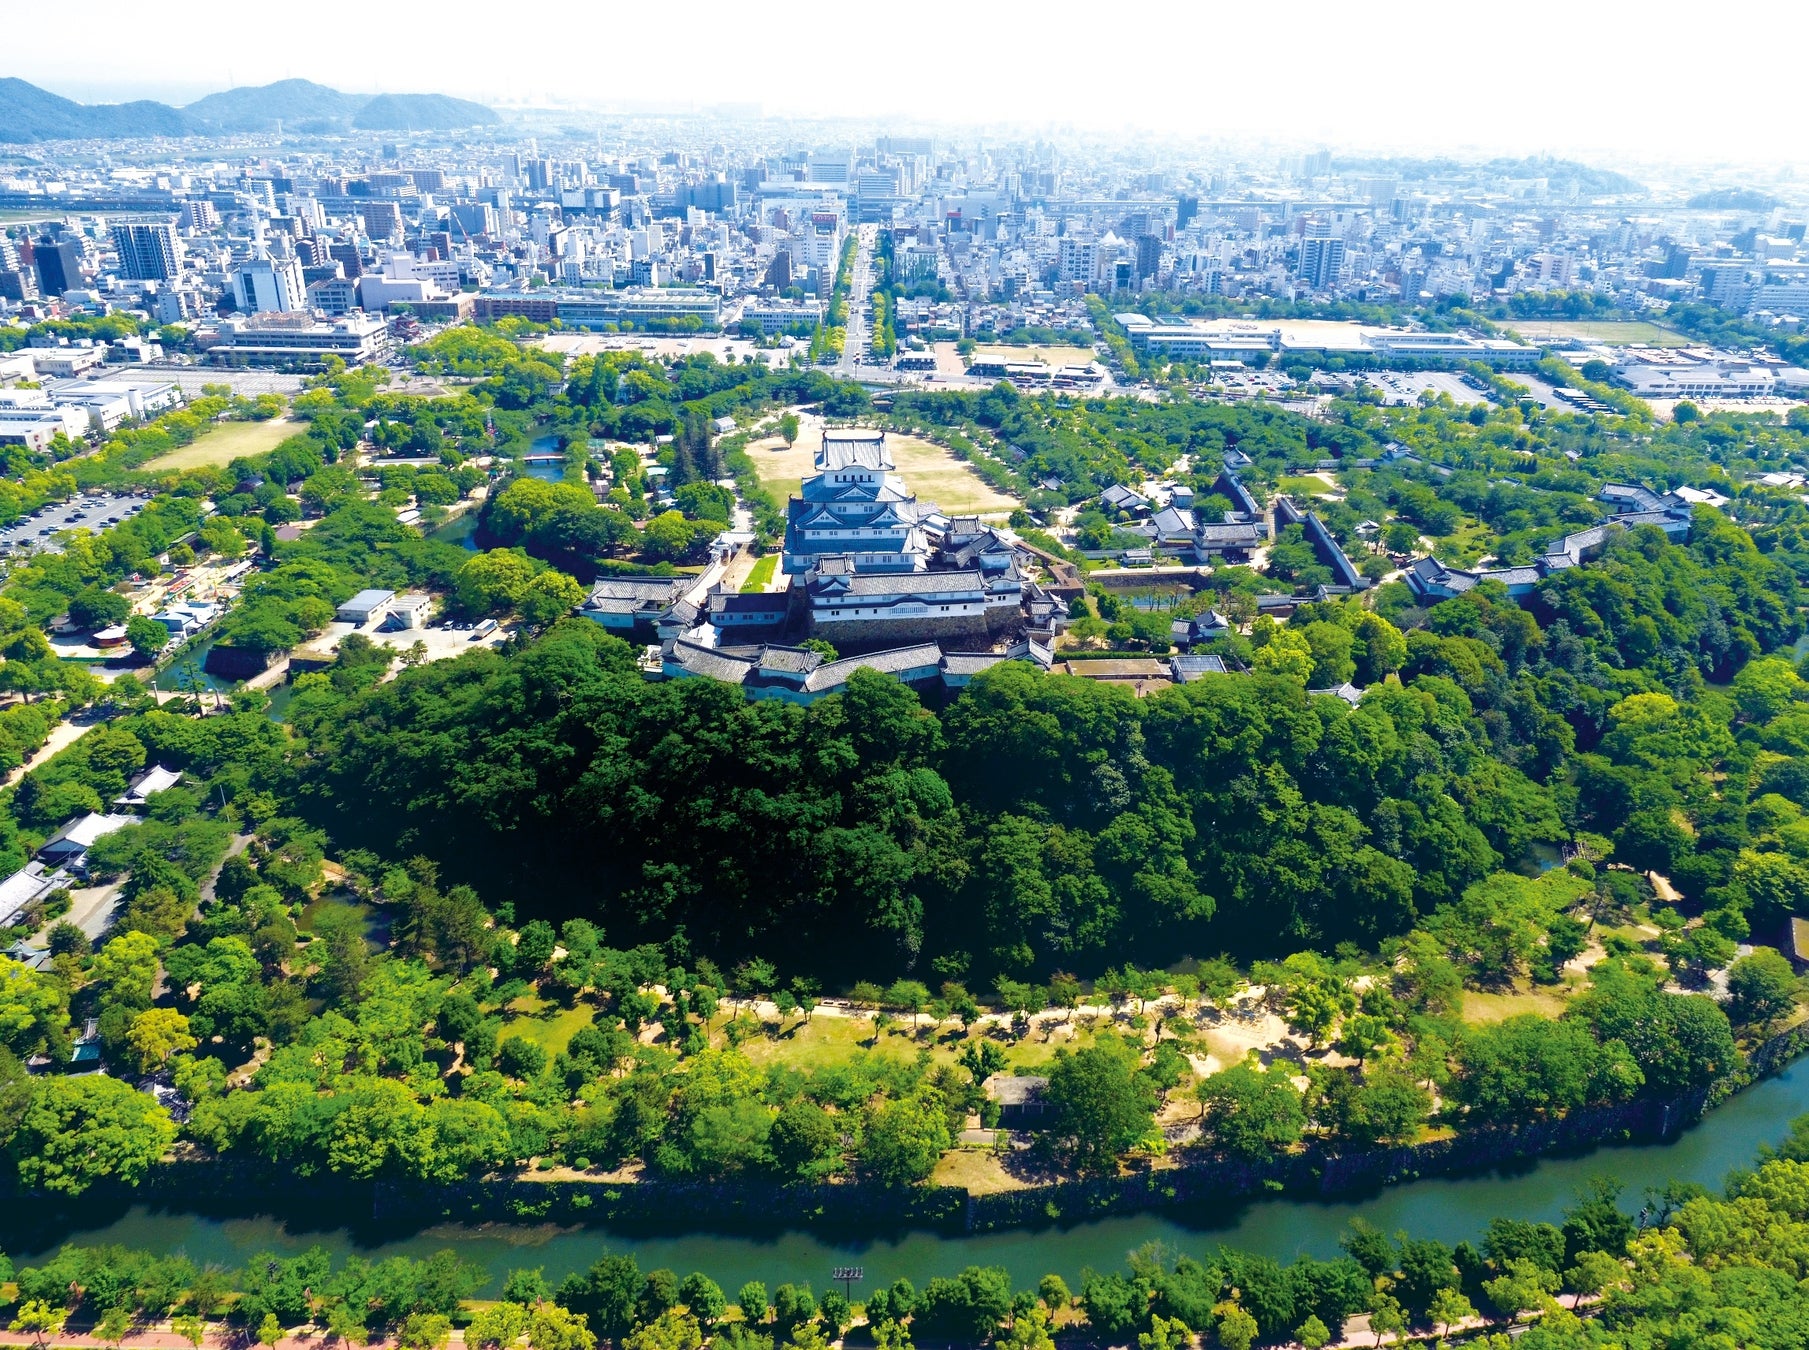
[1450, 1209]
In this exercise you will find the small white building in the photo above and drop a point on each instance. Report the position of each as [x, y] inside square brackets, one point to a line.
[152, 780]
[407, 611]
[30, 883]
[365, 606]
[68, 847]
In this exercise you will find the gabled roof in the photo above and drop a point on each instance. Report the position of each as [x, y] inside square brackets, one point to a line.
[853, 447]
[640, 589]
[899, 660]
[154, 779]
[82, 833]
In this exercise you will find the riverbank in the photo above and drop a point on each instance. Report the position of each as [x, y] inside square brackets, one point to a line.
[794, 1247]
[217, 1213]
[224, 1336]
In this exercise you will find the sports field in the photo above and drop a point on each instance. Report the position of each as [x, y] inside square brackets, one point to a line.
[928, 470]
[1613, 332]
[1048, 356]
[227, 442]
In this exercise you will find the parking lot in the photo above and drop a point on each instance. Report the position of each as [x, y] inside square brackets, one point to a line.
[243, 383]
[441, 642]
[1405, 387]
[90, 512]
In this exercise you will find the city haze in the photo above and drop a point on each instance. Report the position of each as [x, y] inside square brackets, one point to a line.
[1545, 78]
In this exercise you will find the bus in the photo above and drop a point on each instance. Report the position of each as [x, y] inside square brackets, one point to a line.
[483, 630]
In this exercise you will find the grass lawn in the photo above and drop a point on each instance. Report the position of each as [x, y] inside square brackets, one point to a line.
[977, 1169]
[824, 1041]
[1614, 332]
[829, 1040]
[1463, 548]
[1548, 1000]
[226, 442]
[1304, 487]
[1049, 356]
[762, 575]
[546, 1024]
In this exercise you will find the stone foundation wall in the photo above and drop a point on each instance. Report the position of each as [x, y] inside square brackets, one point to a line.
[850, 636]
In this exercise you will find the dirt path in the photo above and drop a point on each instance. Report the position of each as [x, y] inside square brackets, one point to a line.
[62, 736]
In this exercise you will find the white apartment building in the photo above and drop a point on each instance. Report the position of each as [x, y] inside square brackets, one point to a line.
[269, 285]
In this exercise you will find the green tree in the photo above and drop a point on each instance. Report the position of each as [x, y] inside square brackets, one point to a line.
[605, 1295]
[1449, 1308]
[751, 1299]
[38, 1319]
[703, 1297]
[498, 1326]
[1101, 1106]
[523, 1286]
[551, 1327]
[1522, 1286]
[156, 1034]
[147, 636]
[1386, 1317]
[80, 1130]
[904, 1141]
[1235, 1328]
[550, 596]
[669, 537]
[1251, 1112]
[114, 1323]
[1761, 987]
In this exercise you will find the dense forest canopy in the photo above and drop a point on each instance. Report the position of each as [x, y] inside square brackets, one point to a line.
[1046, 822]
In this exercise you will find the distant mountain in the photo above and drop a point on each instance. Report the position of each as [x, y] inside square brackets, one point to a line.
[261, 107]
[421, 112]
[1560, 173]
[1732, 199]
[28, 113]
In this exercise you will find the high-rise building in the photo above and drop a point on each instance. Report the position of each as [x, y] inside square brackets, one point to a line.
[382, 220]
[473, 218]
[1079, 259]
[1321, 256]
[148, 251]
[199, 216]
[261, 284]
[1149, 255]
[59, 265]
[348, 258]
[17, 285]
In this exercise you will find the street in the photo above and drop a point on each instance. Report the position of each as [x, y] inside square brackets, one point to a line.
[856, 362]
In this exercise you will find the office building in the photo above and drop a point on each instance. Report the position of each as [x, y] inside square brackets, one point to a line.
[148, 251]
[351, 262]
[264, 285]
[59, 265]
[297, 341]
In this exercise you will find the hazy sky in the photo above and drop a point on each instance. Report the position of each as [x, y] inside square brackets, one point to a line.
[1645, 80]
